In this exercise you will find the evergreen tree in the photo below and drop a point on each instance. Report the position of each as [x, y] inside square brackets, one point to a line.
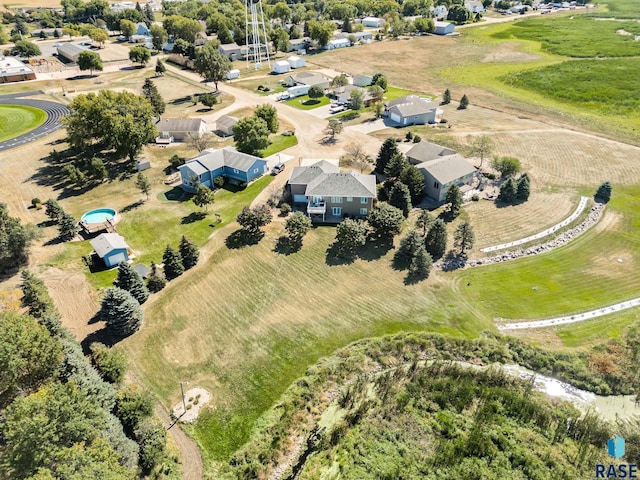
[436, 240]
[421, 263]
[350, 234]
[603, 194]
[414, 180]
[131, 281]
[446, 98]
[424, 221]
[407, 249]
[454, 199]
[189, 253]
[160, 67]
[15, 240]
[396, 165]
[110, 363]
[121, 311]
[172, 263]
[152, 438]
[463, 237]
[35, 296]
[388, 150]
[53, 210]
[156, 280]
[464, 102]
[400, 198]
[523, 190]
[143, 184]
[385, 220]
[508, 191]
[151, 93]
[68, 227]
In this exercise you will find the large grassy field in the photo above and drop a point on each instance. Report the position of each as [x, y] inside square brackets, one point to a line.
[18, 119]
[597, 269]
[247, 323]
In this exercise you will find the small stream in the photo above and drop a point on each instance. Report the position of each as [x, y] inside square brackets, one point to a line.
[609, 407]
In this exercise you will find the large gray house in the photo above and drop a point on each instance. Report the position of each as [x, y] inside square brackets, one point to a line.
[441, 167]
[326, 194]
[412, 110]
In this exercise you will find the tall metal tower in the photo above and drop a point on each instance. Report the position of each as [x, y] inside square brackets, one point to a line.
[257, 41]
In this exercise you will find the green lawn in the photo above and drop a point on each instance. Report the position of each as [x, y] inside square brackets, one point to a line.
[597, 269]
[279, 143]
[393, 92]
[19, 119]
[304, 102]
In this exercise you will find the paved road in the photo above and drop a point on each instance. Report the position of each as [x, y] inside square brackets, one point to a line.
[54, 112]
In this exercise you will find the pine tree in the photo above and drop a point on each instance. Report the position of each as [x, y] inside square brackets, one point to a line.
[524, 189]
[414, 180]
[387, 151]
[421, 263]
[464, 238]
[128, 279]
[35, 296]
[508, 191]
[156, 281]
[396, 165]
[172, 263]
[454, 199]
[121, 311]
[68, 227]
[160, 67]
[151, 93]
[436, 241]
[464, 102]
[401, 198]
[446, 98]
[603, 194]
[189, 253]
[53, 210]
[143, 184]
[424, 221]
[407, 249]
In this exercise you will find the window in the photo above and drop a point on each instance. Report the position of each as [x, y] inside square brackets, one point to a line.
[436, 185]
[336, 199]
[363, 211]
[235, 170]
[336, 211]
[255, 170]
[349, 199]
[363, 199]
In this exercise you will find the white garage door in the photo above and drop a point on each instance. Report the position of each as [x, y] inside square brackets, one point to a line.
[395, 117]
[117, 258]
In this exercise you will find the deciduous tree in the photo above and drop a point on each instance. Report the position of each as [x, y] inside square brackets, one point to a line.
[385, 220]
[211, 64]
[110, 363]
[139, 55]
[127, 27]
[269, 114]
[158, 36]
[251, 135]
[24, 48]
[356, 100]
[297, 226]
[253, 219]
[320, 31]
[15, 240]
[156, 280]
[482, 146]
[350, 235]
[152, 438]
[88, 60]
[507, 166]
[143, 184]
[315, 91]
[133, 405]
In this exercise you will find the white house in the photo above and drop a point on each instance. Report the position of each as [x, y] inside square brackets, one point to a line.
[412, 110]
[374, 22]
[474, 6]
[178, 129]
[337, 43]
[281, 66]
[440, 11]
[444, 28]
[296, 62]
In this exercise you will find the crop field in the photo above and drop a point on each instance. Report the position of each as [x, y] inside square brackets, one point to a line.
[577, 36]
[18, 119]
[597, 269]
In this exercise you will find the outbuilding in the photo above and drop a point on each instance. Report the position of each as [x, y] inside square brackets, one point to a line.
[296, 62]
[111, 248]
[337, 43]
[444, 28]
[281, 66]
[231, 74]
[225, 124]
[374, 22]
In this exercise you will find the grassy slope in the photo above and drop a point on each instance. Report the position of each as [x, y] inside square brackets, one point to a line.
[261, 318]
[18, 119]
[581, 276]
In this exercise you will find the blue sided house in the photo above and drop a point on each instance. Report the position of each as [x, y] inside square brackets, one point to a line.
[236, 167]
[111, 248]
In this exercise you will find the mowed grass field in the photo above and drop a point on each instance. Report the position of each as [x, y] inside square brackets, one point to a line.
[247, 323]
[19, 119]
[597, 269]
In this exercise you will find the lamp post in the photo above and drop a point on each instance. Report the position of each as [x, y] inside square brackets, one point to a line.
[184, 404]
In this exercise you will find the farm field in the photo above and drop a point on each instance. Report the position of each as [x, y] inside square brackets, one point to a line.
[18, 119]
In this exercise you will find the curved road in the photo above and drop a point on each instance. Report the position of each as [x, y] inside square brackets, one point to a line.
[54, 112]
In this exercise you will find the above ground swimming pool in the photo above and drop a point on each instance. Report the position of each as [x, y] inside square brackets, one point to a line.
[99, 215]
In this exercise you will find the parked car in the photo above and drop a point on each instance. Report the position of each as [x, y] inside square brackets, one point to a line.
[277, 169]
[283, 96]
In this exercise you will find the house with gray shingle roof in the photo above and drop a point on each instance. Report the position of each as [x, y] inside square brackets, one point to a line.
[235, 166]
[225, 124]
[178, 129]
[326, 194]
[441, 167]
[308, 78]
[412, 110]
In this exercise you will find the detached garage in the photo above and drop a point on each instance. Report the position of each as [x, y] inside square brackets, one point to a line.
[443, 28]
[111, 248]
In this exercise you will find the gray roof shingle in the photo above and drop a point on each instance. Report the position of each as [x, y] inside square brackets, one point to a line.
[349, 184]
[304, 175]
[448, 168]
[425, 151]
[179, 124]
[106, 242]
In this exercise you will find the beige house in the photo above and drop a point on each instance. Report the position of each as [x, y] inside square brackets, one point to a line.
[178, 129]
[328, 195]
[225, 124]
[441, 167]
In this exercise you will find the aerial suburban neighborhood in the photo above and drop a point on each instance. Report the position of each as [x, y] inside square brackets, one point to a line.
[331, 240]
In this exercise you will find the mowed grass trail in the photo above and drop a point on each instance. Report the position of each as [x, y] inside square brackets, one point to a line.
[597, 269]
[19, 119]
[247, 323]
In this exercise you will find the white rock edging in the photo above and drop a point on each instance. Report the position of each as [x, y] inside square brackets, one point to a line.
[578, 317]
[545, 233]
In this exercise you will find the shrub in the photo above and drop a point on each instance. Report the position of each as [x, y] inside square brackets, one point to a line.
[604, 192]
[409, 136]
[37, 203]
[132, 406]
[242, 185]
[219, 181]
[475, 198]
[176, 160]
[285, 209]
[417, 139]
[444, 120]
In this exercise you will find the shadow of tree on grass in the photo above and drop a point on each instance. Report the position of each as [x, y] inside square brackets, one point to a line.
[243, 238]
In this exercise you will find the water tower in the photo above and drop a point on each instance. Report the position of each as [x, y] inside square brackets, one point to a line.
[257, 41]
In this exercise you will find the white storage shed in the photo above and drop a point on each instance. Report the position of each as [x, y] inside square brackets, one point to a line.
[296, 62]
[281, 67]
[231, 74]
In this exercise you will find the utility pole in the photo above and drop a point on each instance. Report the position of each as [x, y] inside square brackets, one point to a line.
[184, 404]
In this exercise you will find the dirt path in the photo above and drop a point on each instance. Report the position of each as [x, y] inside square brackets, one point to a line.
[192, 468]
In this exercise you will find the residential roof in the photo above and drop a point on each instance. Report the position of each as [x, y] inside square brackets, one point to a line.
[211, 159]
[349, 184]
[226, 121]
[442, 24]
[304, 175]
[297, 41]
[414, 108]
[359, 78]
[195, 166]
[142, 270]
[179, 124]
[424, 151]
[228, 47]
[235, 159]
[448, 168]
[307, 78]
[107, 242]
[339, 41]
